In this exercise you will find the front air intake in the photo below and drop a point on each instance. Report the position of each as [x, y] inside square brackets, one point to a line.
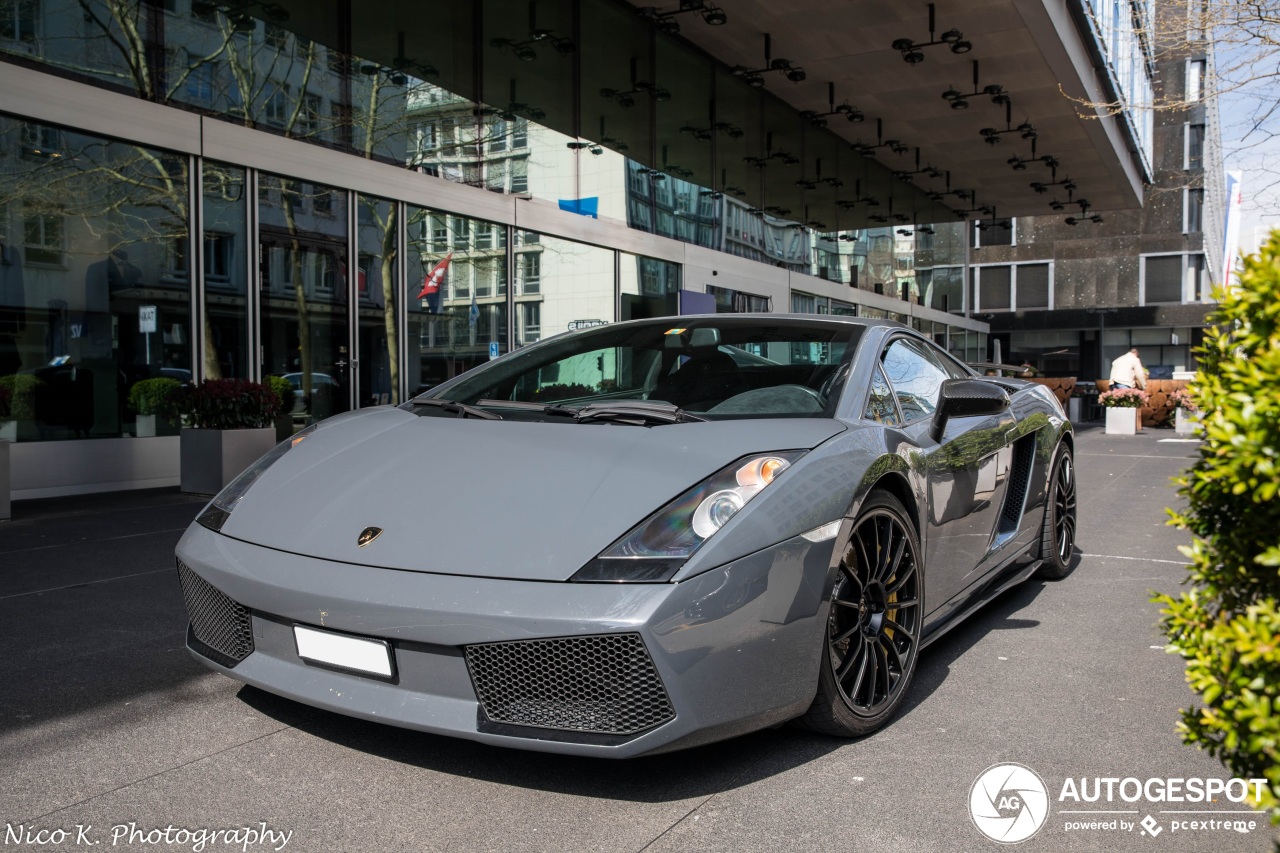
[219, 626]
[603, 684]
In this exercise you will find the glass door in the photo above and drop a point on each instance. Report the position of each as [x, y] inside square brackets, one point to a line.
[304, 309]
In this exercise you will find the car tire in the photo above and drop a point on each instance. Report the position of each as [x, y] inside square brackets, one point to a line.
[1058, 531]
[873, 628]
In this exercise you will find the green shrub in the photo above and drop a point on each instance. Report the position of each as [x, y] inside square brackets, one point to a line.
[21, 396]
[229, 404]
[155, 397]
[284, 391]
[1227, 626]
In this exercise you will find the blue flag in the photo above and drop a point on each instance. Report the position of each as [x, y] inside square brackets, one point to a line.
[473, 316]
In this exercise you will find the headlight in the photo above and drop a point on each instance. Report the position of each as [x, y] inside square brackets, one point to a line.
[654, 549]
[219, 509]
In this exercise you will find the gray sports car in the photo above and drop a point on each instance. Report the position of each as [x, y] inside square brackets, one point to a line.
[638, 537]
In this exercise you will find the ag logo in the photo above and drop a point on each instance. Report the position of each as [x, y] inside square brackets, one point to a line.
[1008, 803]
[368, 535]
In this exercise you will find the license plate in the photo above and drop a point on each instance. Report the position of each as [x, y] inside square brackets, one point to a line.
[354, 654]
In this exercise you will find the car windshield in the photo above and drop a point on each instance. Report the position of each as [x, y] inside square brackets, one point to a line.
[714, 367]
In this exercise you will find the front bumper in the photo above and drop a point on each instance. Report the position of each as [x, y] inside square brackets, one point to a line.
[736, 648]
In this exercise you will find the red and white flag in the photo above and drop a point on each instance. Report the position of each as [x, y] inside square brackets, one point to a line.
[431, 281]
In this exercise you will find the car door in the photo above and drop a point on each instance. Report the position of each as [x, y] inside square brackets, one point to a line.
[967, 471]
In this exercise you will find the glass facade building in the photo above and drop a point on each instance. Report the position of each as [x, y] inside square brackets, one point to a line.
[354, 202]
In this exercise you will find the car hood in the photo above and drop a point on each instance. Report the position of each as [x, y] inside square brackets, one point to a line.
[508, 499]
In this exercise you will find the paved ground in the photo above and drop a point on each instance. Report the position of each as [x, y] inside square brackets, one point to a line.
[106, 721]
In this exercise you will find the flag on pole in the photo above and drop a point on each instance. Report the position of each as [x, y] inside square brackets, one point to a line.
[473, 316]
[431, 284]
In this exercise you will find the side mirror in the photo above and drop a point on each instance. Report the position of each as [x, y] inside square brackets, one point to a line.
[966, 398]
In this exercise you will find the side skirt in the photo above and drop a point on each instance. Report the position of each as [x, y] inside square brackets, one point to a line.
[1006, 578]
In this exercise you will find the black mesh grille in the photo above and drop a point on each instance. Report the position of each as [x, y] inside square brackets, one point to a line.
[605, 684]
[216, 621]
[1024, 452]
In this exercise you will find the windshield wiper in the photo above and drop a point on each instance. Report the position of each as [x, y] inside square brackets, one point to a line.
[460, 410]
[635, 412]
[545, 408]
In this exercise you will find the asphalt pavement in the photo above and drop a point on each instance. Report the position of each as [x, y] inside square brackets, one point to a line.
[112, 734]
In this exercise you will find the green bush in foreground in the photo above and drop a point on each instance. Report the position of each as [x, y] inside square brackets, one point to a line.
[1227, 626]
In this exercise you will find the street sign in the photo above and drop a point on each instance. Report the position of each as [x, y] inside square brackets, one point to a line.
[146, 319]
[493, 350]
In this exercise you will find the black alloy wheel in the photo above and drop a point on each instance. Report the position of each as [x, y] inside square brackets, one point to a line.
[873, 630]
[1058, 535]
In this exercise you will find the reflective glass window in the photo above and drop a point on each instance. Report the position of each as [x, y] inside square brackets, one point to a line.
[95, 281]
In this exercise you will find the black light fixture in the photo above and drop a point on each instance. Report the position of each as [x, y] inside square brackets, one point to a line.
[785, 157]
[407, 65]
[513, 110]
[1085, 216]
[625, 99]
[705, 134]
[858, 198]
[523, 49]
[754, 77]
[666, 22]
[582, 144]
[614, 143]
[1026, 130]
[952, 38]
[868, 150]
[1020, 164]
[960, 100]
[819, 120]
[905, 175]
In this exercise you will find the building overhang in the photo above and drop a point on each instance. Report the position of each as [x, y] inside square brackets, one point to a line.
[603, 72]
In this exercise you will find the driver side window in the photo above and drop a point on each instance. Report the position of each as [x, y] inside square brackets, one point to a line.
[916, 376]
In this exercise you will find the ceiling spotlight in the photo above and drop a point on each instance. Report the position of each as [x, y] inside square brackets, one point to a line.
[755, 81]
[1057, 205]
[667, 23]
[1071, 220]
[1039, 187]
[990, 135]
[796, 75]
[952, 38]
[1018, 164]
[959, 104]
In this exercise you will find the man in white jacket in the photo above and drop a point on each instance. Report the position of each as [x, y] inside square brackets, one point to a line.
[1127, 371]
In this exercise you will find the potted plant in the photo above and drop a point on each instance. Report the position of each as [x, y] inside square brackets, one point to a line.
[284, 418]
[20, 403]
[151, 398]
[5, 396]
[1186, 412]
[231, 424]
[1124, 407]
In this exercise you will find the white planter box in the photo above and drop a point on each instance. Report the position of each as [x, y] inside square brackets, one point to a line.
[212, 458]
[1186, 423]
[1075, 409]
[1122, 421]
[145, 426]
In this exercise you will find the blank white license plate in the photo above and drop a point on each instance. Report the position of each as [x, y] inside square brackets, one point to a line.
[352, 653]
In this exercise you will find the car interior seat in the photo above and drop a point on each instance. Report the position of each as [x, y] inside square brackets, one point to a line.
[706, 379]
